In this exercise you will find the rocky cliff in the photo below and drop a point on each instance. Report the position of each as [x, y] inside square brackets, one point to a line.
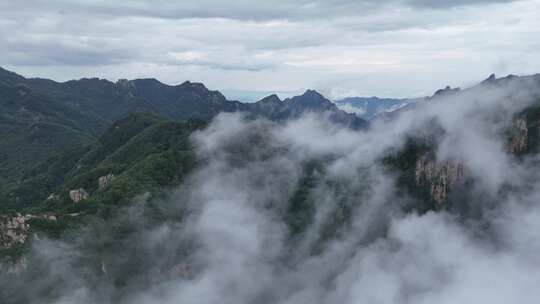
[518, 140]
[13, 230]
[78, 195]
[14, 235]
[440, 178]
[104, 181]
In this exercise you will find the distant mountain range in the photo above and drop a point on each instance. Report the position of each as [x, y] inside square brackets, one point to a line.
[108, 101]
[40, 118]
[84, 172]
[369, 107]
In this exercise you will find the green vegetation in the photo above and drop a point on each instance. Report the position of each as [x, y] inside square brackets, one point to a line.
[301, 210]
[48, 123]
[402, 163]
[532, 116]
[34, 128]
[145, 153]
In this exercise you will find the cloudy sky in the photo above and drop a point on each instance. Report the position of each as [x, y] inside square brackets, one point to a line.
[248, 48]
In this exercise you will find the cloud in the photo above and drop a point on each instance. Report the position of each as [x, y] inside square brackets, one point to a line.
[230, 233]
[349, 46]
[239, 10]
[216, 59]
[449, 4]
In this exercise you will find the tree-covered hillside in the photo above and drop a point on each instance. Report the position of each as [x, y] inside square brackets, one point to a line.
[139, 153]
[34, 127]
[41, 119]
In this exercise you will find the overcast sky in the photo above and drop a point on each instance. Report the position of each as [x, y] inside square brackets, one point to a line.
[247, 48]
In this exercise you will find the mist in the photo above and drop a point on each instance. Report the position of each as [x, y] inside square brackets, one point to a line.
[308, 212]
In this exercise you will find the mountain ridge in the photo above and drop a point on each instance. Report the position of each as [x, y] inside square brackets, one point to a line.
[113, 100]
[71, 113]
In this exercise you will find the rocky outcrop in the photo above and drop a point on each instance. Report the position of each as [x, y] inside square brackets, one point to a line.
[13, 230]
[78, 195]
[440, 178]
[447, 91]
[311, 101]
[518, 140]
[104, 181]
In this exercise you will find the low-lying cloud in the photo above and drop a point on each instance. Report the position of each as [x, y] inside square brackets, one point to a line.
[230, 235]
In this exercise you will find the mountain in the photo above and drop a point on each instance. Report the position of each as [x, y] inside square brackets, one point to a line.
[368, 107]
[42, 118]
[140, 152]
[155, 202]
[270, 107]
[311, 101]
[10, 78]
[447, 91]
[113, 100]
[110, 101]
[511, 84]
[34, 127]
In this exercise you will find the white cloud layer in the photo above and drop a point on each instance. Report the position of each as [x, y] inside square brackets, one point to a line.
[239, 248]
[390, 48]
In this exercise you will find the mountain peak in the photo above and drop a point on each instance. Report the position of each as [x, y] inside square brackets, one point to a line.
[9, 76]
[448, 90]
[270, 99]
[312, 94]
[198, 86]
[311, 98]
[147, 80]
[492, 79]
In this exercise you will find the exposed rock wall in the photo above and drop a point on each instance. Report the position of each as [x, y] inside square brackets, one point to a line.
[78, 195]
[104, 181]
[440, 178]
[518, 141]
[13, 230]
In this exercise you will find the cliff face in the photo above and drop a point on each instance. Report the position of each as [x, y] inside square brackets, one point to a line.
[440, 178]
[78, 195]
[13, 230]
[518, 140]
[104, 181]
